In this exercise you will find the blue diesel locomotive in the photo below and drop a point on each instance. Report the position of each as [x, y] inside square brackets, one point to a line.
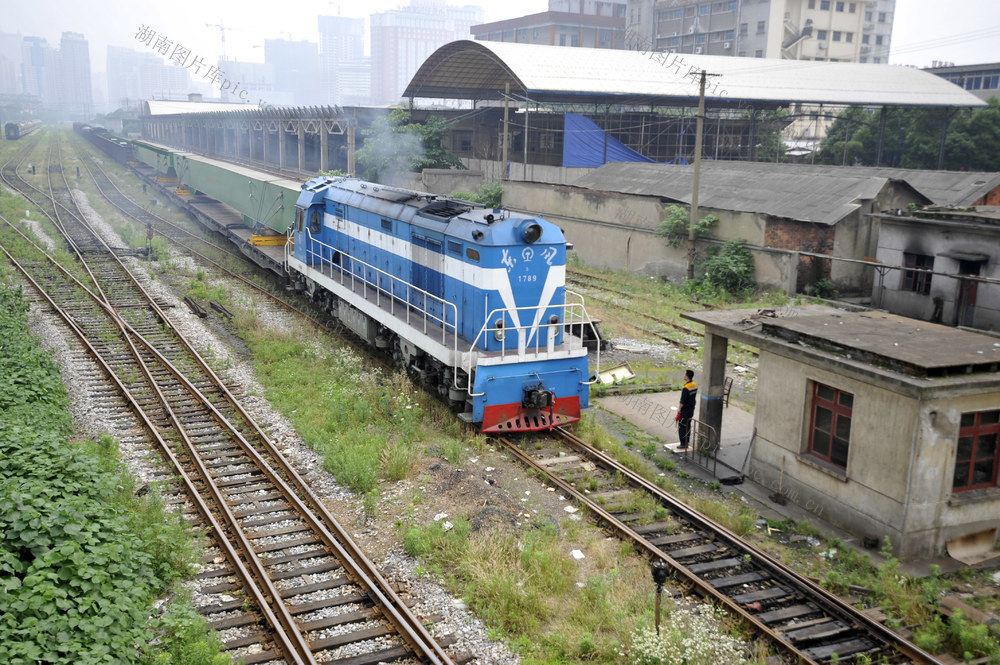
[471, 301]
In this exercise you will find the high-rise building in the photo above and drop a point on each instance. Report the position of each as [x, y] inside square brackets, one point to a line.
[40, 70]
[250, 83]
[402, 39]
[827, 30]
[982, 80]
[588, 23]
[296, 69]
[75, 90]
[11, 45]
[134, 76]
[344, 70]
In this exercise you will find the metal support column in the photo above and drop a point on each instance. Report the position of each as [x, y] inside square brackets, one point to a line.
[713, 381]
[881, 136]
[351, 145]
[281, 145]
[324, 142]
[302, 146]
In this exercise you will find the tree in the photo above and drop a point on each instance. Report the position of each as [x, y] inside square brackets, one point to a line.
[675, 227]
[912, 138]
[489, 194]
[770, 144]
[394, 146]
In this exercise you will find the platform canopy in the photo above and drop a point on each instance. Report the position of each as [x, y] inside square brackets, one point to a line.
[167, 107]
[479, 70]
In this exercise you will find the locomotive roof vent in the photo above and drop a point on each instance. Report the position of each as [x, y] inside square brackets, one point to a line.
[444, 209]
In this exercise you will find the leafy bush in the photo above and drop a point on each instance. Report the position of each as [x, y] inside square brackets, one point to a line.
[822, 288]
[731, 268]
[489, 194]
[81, 557]
[675, 227]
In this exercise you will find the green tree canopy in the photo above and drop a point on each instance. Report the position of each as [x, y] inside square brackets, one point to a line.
[912, 138]
[394, 145]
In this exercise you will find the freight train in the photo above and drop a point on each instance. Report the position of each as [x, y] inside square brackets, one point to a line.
[118, 149]
[471, 301]
[18, 130]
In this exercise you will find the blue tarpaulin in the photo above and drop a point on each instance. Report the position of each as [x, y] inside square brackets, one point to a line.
[584, 144]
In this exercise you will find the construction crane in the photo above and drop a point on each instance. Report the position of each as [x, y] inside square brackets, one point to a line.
[222, 31]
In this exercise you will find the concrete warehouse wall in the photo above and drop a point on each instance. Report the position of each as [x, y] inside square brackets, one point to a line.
[617, 232]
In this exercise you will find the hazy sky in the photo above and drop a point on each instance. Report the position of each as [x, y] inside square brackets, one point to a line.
[962, 31]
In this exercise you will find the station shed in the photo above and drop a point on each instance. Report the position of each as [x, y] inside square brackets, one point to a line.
[885, 426]
[642, 98]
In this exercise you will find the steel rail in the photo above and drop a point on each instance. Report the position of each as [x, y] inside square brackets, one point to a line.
[248, 282]
[220, 532]
[279, 617]
[660, 320]
[908, 649]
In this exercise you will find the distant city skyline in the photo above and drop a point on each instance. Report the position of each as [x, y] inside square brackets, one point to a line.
[263, 55]
[922, 31]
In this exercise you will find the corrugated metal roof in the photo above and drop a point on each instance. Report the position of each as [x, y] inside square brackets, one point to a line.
[943, 188]
[478, 70]
[812, 197]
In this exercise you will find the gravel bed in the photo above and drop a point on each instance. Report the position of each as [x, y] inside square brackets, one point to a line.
[36, 228]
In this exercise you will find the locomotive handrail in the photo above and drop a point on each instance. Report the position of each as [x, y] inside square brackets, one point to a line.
[573, 313]
[589, 322]
[325, 258]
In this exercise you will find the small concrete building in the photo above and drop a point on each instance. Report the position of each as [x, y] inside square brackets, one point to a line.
[948, 266]
[882, 425]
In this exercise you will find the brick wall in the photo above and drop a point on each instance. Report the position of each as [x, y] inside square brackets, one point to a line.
[804, 237]
[991, 199]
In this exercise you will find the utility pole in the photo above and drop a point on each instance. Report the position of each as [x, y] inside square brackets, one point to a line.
[506, 104]
[699, 130]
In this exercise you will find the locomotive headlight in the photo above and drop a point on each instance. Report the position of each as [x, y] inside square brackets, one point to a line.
[499, 332]
[531, 231]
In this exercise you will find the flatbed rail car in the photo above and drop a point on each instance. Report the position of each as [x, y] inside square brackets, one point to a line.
[117, 148]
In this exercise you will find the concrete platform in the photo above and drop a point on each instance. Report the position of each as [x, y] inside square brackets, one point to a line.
[654, 413]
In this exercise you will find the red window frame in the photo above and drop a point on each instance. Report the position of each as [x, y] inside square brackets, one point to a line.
[917, 281]
[976, 451]
[830, 424]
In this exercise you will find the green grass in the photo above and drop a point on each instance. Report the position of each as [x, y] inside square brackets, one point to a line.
[368, 424]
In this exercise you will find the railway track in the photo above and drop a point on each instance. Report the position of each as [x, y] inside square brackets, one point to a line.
[289, 579]
[804, 622]
[693, 339]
